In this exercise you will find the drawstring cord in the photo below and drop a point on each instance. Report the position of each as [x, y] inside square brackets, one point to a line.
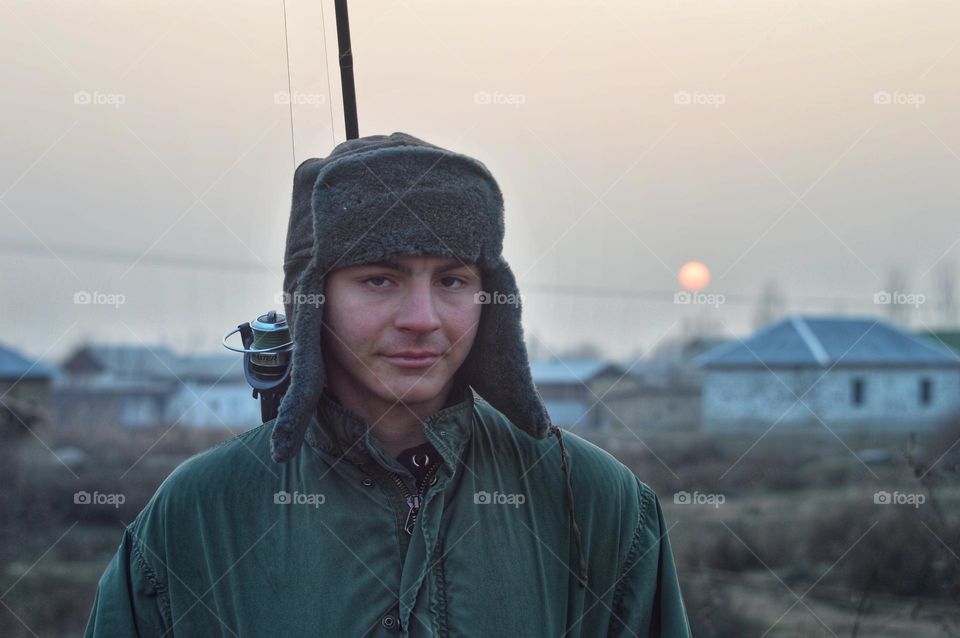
[576, 530]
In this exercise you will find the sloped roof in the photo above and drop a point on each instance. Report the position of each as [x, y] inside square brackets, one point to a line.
[125, 360]
[14, 365]
[571, 370]
[826, 341]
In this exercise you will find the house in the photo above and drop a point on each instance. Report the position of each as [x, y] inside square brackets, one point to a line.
[25, 395]
[570, 388]
[125, 385]
[147, 386]
[213, 393]
[665, 394]
[654, 403]
[847, 372]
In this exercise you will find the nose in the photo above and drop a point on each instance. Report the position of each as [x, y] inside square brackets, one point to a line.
[417, 312]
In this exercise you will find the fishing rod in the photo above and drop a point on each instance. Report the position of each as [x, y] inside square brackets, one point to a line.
[347, 87]
[267, 347]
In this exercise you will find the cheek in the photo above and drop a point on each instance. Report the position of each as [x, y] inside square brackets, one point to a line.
[462, 324]
[352, 322]
[355, 326]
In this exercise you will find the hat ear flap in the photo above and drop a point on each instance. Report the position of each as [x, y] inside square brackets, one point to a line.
[308, 375]
[497, 366]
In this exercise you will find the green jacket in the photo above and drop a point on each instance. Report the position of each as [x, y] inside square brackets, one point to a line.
[234, 544]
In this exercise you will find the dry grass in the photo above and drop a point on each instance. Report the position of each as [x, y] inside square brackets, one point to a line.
[796, 506]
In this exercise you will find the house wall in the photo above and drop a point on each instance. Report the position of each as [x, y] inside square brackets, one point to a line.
[891, 397]
[223, 405]
[82, 407]
[654, 409]
[575, 405]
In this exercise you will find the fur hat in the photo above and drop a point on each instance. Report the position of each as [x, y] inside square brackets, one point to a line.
[379, 197]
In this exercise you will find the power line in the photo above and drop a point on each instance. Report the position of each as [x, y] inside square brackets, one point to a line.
[245, 267]
[115, 256]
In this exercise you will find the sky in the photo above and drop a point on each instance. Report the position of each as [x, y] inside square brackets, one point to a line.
[149, 151]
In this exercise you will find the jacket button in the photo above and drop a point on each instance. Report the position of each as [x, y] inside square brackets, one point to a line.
[388, 622]
[368, 482]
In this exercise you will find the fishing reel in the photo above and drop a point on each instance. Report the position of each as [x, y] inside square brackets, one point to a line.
[267, 353]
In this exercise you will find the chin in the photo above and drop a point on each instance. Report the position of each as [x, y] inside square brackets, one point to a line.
[413, 391]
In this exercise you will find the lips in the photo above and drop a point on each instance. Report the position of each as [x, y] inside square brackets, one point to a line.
[414, 354]
[413, 359]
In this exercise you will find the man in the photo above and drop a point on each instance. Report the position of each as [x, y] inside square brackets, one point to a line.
[432, 497]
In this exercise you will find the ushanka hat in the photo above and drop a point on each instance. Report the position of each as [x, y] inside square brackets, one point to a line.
[380, 197]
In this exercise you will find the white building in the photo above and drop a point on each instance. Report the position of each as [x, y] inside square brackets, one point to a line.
[845, 372]
[571, 388]
[140, 386]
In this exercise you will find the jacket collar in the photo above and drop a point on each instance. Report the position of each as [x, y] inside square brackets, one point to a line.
[342, 433]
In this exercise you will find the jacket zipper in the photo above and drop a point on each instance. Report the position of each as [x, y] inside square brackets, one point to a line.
[414, 501]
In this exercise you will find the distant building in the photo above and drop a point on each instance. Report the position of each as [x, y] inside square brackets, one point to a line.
[25, 395]
[213, 392]
[570, 388]
[145, 386]
[673, 361]
[654, 404]
[849, 372]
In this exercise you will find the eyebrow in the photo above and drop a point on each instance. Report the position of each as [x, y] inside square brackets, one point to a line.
[395, 265]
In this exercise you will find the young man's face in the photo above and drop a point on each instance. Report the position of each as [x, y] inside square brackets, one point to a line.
[375, 314]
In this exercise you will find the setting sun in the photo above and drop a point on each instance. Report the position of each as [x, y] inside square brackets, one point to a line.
[694, 276]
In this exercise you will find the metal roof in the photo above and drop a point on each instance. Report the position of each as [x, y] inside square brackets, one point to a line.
[127, 360]
[827, 341]
[570, 370]
[14, 365]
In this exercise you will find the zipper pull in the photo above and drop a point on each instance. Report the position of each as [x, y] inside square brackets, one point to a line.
[413, 502]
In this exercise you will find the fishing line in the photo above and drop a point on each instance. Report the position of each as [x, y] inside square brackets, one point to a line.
[286, 45]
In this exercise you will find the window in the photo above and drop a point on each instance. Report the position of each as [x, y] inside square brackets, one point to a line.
[926, 391]
[858, 391]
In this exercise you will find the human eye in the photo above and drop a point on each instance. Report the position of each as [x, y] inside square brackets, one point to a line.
[454, 283]
[375, 282]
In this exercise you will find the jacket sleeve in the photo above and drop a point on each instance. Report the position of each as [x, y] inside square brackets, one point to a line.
[130, 600]
[648, 601]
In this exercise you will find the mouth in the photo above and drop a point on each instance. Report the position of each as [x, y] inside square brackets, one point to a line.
[413, 359]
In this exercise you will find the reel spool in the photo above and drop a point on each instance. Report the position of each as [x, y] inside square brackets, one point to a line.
[267, 354]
